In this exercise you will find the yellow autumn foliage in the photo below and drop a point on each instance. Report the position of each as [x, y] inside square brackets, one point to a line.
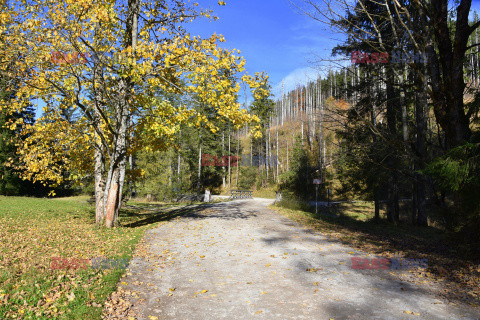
[68, 58]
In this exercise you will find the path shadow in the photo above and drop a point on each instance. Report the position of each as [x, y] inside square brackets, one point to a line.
[303, 262]
[412, 242]
[156, 216]
[222, 210]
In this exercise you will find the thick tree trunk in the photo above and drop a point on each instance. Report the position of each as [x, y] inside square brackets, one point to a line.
[121, 183]
[446, 69]
[112, 199]
[117, 169]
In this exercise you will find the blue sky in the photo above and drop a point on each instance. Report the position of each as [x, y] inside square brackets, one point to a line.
[272, 36]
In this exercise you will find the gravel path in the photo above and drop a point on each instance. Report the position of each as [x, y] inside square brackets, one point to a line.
[240, 260]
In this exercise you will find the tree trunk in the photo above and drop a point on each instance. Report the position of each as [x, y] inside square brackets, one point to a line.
[118, 163]
[199, 177]
[266, 154]
[121, 183]
[446, 69]
[288, 160]
[99, 182]
[420, 126]
[224, 179]
[179, 160]
[276, 161]
[229, 168]
[269, 150]
[414, 211]
[112, 199]
[238, 158]
[392, 111]
[100, 146]
[131, 184]
[119, 154]
[377, 205]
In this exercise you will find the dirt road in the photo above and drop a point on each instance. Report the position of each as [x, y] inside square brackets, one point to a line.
[240, 260]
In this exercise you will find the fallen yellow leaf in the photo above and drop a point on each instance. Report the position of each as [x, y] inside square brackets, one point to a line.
[411, 312]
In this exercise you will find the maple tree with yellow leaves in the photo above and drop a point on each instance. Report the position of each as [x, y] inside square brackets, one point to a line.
[98, 67]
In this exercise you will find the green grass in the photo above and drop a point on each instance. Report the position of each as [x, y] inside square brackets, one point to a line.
[33, 231]
[268, 193]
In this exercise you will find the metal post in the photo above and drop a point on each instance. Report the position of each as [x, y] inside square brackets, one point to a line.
[316, 199]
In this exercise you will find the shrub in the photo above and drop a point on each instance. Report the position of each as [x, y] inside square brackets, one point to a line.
[248, 177]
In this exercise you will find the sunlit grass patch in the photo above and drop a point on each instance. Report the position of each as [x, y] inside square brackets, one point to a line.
[33, 231]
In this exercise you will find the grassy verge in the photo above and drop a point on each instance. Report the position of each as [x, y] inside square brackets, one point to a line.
[34, 231]
[352, 224]
[268, 193]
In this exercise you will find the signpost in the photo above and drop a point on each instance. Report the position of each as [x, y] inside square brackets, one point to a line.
[316, 182]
